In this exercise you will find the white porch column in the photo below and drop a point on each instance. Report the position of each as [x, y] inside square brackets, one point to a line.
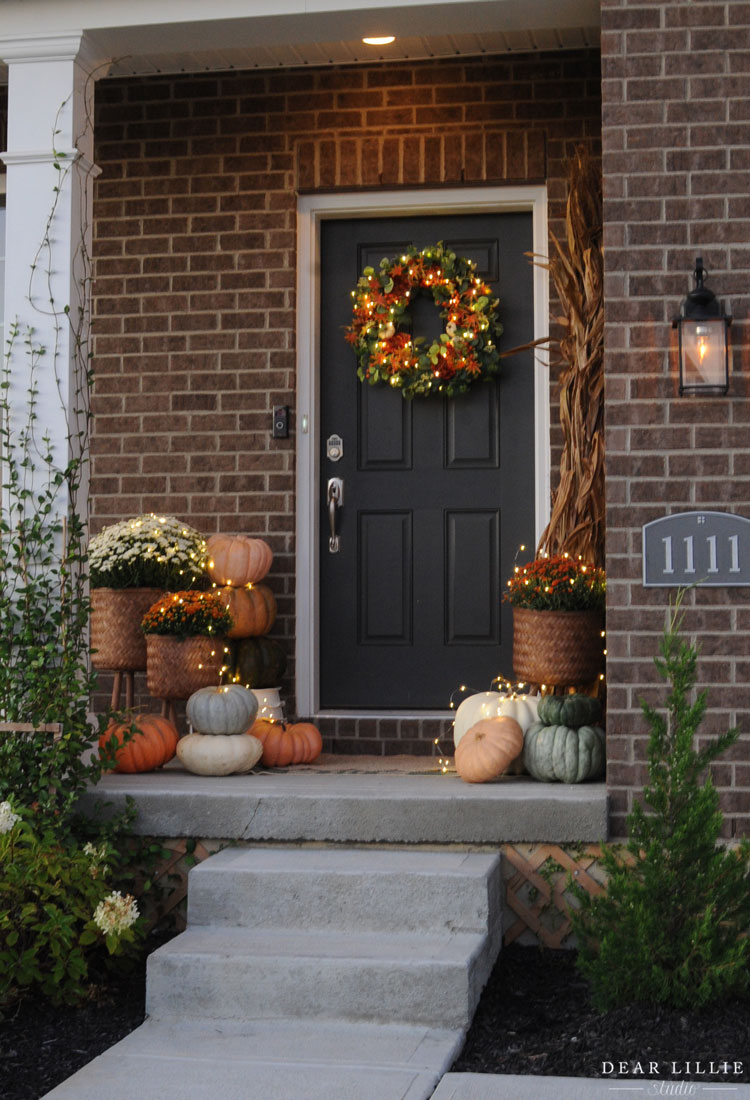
[48, 238]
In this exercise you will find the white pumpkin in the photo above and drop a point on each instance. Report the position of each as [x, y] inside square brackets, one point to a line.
[228, 708]
[521, 707]
[219, 754]
[493, 704]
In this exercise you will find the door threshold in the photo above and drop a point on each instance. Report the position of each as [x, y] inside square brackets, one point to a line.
[440, 715]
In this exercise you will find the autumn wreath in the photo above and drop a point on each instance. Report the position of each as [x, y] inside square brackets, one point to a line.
[380, 330]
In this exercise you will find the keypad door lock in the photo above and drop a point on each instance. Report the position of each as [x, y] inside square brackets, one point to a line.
[334, 448]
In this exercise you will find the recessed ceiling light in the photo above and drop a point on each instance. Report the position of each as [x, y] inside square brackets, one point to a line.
[384, 41]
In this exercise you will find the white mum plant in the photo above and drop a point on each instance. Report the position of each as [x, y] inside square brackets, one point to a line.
[7, 818]
[147, 551]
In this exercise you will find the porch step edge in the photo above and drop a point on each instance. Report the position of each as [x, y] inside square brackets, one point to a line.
[358, 890]
[248, 974]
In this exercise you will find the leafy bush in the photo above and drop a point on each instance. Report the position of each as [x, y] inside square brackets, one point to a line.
[673, 925]
[45, 678]
[58, 911]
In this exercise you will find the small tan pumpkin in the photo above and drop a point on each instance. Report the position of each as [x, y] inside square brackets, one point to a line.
[488, 749]
[237, 559]
[297, 743]
[253, 610]
[153, 743]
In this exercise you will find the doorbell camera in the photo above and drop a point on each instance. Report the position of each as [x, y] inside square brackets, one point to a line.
[280, 422]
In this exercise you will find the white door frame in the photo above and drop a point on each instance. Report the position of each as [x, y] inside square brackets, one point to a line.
[311, 211]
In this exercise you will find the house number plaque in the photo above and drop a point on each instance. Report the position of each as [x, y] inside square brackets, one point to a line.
[706, 548]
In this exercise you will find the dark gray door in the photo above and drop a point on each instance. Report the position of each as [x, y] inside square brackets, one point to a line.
[438, 493]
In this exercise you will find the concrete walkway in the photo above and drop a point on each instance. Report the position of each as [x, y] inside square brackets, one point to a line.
[267, 1060]
[224, 1062]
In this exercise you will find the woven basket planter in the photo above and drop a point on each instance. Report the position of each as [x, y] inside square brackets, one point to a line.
[563, 648]
[116, 634]
[176, 667]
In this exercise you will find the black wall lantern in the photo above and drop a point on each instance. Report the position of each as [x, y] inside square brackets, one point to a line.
[703, 329]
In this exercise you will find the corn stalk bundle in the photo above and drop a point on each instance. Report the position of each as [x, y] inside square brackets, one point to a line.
[577, 520]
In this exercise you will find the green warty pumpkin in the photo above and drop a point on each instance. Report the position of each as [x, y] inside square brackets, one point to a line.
[563, 754]
[259, 662]
[569, 710]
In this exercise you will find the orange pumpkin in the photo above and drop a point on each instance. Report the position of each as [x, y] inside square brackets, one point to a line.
[310, 735]
[153, 744]
[253, 610]
[488, 748]
[297, 743]
[238, 559]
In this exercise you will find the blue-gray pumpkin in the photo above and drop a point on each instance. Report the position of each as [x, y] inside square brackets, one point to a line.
[563, 754]
[226, 709]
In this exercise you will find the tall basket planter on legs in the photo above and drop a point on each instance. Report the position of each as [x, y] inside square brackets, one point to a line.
[557, 647]
[118, 642]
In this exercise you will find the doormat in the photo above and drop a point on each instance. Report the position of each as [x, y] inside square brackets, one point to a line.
[329, 763]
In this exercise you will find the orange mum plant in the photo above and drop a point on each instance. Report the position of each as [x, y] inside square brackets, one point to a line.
[188, 613]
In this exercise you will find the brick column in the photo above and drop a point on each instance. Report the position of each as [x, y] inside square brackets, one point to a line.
[676, 142]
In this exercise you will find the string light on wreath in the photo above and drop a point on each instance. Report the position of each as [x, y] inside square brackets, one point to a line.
[380, 329]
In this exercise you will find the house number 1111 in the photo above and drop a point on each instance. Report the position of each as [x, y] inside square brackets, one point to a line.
[710, 548]
[734, 549]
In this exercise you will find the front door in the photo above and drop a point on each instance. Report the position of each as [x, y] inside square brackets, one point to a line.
[438, 493]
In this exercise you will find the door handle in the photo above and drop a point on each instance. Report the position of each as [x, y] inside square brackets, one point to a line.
[335, 499]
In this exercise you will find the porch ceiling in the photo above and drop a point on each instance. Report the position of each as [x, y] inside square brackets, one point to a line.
[291, 33]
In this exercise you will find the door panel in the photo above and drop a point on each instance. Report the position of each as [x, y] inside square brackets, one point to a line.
[472, 550]
[384, 434]
[438, 493]
[472, 430]
[385, 578]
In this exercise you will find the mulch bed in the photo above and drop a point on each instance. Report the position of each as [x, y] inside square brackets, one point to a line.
[41, 1045]
[534, 1019]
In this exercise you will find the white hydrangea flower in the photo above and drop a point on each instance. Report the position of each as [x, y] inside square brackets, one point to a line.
[116, 913]
[7, 818]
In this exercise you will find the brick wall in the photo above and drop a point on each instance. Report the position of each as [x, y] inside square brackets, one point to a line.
[676, 149]
[195, 217]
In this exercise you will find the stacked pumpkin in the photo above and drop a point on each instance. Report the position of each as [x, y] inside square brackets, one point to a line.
[219, 743]
[565, 744]
[236, 565]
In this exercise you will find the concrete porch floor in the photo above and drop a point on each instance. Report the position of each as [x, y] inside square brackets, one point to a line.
[331, 803]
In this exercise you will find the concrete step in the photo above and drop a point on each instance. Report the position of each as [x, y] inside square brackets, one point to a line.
[242, 973]
[353, 889]
[267, 1060]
